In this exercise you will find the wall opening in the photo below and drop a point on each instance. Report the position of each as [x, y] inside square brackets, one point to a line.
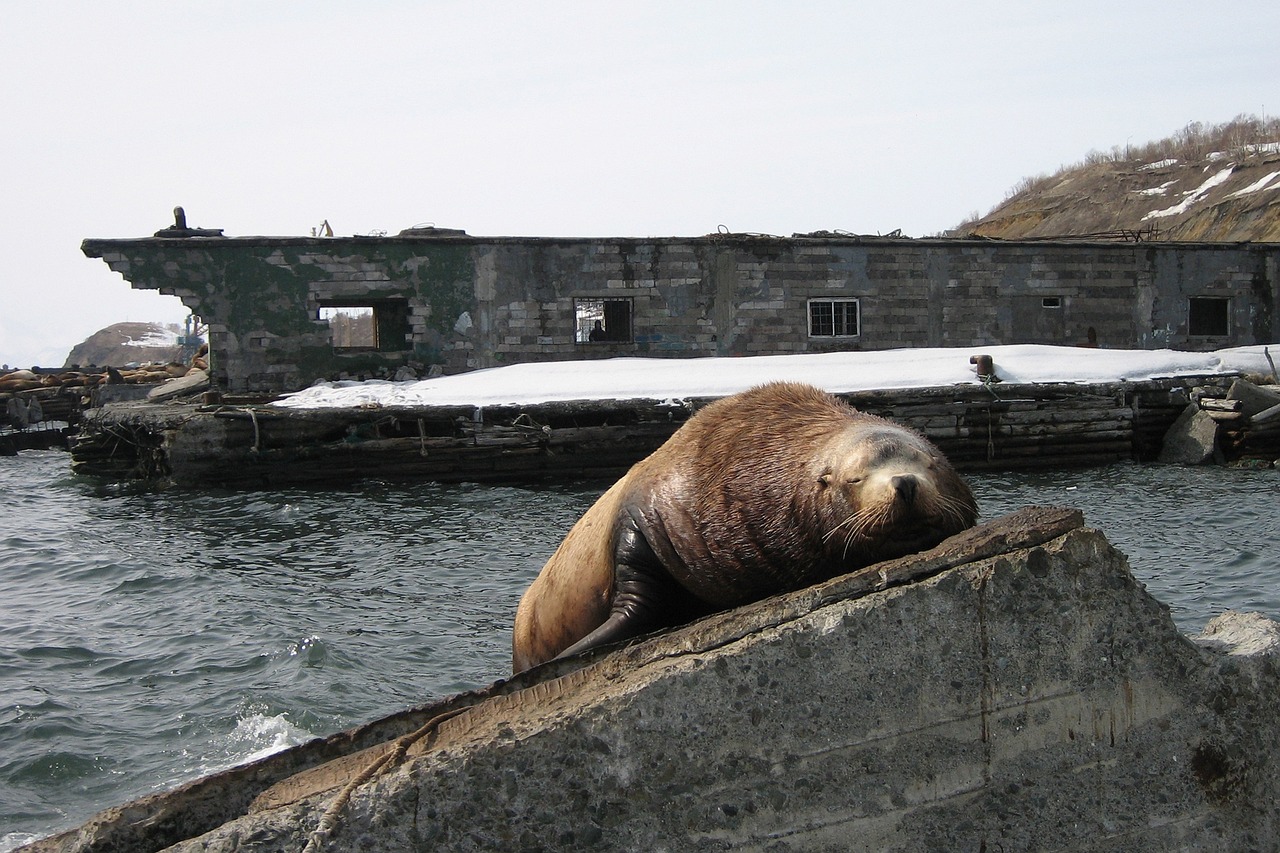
[1051, 302]
[368, 324]
[1208, 316]
[602, 321]
[834, 318]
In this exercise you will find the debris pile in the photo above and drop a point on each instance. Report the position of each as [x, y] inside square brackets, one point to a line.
[1240, 426]
[38, 401]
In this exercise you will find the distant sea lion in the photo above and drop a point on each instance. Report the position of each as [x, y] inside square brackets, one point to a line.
[763, 492]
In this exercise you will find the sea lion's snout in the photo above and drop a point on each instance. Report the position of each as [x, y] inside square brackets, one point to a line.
[905, 485]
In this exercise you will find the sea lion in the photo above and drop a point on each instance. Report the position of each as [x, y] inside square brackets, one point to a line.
[763, 492]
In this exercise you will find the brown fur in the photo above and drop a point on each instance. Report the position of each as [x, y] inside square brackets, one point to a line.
[766, 491]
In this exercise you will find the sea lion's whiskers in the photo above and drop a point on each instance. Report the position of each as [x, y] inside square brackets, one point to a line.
[859, 521]
[833, 531]
[865, 519]
[952, 509]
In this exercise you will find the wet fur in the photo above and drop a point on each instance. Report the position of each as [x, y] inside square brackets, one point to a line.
[764, 492]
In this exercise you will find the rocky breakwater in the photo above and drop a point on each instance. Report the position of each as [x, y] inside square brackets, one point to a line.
[1014, 688]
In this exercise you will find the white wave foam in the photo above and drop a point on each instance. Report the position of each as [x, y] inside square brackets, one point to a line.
[258, 735]
[14, 840]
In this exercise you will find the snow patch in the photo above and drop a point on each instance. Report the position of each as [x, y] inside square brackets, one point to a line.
[1193, 196]
[1257, 186]
[156, 338]
[1159, 164]
[1160, 190]
[1263, 148]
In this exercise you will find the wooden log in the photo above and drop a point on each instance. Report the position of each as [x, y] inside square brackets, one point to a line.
[972, 452]
[1252, 398]
[1063, 429]
[1081, 433]
[1044, 462]
[1212, 405]
[1266, 416]
[983, 419]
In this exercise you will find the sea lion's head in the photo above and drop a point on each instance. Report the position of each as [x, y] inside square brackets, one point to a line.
[885, 491]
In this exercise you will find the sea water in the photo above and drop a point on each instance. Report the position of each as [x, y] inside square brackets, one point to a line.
[149, 637]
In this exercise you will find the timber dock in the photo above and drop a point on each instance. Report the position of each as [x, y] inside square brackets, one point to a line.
[246, 442]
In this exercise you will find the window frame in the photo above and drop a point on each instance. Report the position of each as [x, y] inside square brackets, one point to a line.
[582, 319]
[832, 301]
[1196, 323]
[389, 319]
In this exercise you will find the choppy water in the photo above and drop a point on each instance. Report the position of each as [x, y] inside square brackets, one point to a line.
[150, 637]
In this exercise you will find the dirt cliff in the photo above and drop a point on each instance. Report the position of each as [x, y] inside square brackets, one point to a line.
[1216, 183]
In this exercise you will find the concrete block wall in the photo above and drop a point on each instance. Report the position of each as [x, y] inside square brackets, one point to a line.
[483, 302]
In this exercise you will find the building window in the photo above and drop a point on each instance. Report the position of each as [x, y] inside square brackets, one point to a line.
[1051, 302]
[833, 318]
[1208, 316]
[602, 321]
[355, 325]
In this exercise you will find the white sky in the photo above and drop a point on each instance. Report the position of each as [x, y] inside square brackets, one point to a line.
[670, 378]
[563, 118]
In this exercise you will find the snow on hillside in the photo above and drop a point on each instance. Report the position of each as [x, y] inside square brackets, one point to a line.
[1192, 197]
[157, 337]
[1204, 184]
[1257, 186]
[672, 378]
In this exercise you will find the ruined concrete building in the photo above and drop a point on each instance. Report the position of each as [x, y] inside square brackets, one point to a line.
[285, 311]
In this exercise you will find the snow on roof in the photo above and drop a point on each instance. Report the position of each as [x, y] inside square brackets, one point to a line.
[842, 372]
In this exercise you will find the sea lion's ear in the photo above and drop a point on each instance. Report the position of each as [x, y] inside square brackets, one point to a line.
[824, 479]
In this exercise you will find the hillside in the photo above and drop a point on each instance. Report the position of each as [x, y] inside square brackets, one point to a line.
[123, 344]
[1219, 183]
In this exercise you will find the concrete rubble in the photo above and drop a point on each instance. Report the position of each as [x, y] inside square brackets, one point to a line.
[1013, 689]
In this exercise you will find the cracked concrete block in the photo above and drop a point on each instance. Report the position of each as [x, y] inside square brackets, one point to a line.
[1192, 440]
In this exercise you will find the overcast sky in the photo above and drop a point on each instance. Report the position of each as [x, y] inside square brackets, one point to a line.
[573, 118]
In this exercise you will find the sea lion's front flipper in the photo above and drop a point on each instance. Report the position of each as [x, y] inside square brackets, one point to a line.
[645, 596]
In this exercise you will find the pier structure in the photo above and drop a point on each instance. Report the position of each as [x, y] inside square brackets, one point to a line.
[249, 443]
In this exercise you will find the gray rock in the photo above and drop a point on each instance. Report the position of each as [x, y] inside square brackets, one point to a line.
[1192, 440]
[192, 383]
[1015, 688]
